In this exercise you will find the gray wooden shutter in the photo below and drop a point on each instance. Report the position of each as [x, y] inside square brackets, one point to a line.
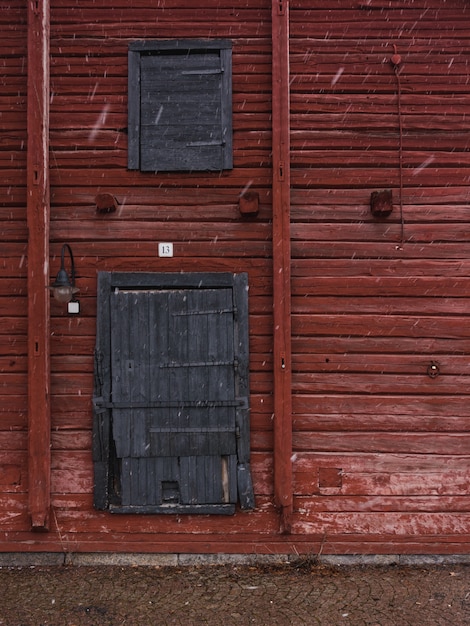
[180, 106]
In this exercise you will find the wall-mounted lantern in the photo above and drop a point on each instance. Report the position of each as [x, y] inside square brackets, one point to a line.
[64, 289]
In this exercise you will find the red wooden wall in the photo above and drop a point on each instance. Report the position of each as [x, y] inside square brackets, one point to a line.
[381, 449]
[13, 266]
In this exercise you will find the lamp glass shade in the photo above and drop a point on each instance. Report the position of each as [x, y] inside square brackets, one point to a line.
[63, 293]
[63, 290]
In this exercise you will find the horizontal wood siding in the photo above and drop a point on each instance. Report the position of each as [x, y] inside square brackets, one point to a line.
[13, 266]
[197, 212]
[381, 448]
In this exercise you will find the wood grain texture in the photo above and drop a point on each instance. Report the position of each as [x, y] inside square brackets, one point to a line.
[380, 449]
[38, 217]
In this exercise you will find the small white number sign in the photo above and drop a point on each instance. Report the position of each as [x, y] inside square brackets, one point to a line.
[165, 249]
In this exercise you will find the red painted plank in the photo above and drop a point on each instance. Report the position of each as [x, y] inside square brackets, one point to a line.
[281, 262]
[382, 523]
[38, 267]
[352, 389]
[368, 442]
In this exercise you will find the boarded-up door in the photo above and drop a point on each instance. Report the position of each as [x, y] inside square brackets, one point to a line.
[178, 395]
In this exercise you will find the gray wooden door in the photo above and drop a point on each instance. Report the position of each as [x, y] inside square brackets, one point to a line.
[174, 396]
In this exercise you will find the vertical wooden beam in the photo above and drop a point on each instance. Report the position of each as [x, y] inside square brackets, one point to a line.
[38, 209]
[283, 483]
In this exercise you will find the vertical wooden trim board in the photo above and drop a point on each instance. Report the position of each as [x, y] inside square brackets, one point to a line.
[39, 461]
[281, 263]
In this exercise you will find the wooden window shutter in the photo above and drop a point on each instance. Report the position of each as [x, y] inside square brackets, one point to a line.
[180, 105]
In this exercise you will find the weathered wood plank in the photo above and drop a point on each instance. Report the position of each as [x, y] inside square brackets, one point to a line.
[380, 325]
[408, 442]
[383, 504]
[385, 419]
[380, 305]
[38, 211]
[435, 348]
[378, 268]
[348, 405]
[415, 382]
[383, 286]
[382, 523]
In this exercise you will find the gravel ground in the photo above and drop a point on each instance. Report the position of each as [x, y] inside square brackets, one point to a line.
[287, 595]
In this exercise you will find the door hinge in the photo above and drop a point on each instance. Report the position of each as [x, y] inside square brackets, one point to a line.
[100, 404]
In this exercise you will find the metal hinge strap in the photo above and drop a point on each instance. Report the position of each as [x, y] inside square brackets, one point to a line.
[172, 364]
[100, 404]
[176, 430]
